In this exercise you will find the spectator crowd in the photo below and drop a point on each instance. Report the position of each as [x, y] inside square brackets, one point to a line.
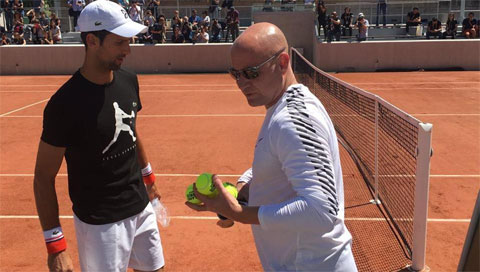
[334, 27]
[196, 28]
[219, 23]
[42, 29]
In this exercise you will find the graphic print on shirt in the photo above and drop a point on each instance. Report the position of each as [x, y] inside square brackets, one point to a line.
[313, 145]
[120, 125]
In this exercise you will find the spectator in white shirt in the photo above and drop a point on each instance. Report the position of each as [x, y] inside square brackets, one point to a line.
[206, 19]
[54, 33]
[202, 35]
[149, 17]
[135, 12]
[362, 25]
[75, 8]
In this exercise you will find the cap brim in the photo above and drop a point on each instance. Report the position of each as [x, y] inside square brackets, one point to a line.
[129, 29]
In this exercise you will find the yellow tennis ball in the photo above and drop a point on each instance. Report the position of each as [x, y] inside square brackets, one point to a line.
[191, 196]
[231, 189]
[205, 186]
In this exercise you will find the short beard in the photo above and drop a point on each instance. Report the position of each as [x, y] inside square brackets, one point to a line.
[114, 67]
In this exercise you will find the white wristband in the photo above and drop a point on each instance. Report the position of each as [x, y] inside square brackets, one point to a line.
[147, 170]
[53, 235]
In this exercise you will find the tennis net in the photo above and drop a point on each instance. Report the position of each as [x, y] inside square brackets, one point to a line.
[391, 148]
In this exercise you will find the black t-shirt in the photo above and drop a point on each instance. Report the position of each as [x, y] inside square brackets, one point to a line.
[452, 24]
[347, 19]
[178, 39]
[412, 16]
[434, 25]
[157, 36]
[18, 41]
[322, 14]
[335, 27]
[96, 125]
[467, 24]
[186, 30]
[6, 42]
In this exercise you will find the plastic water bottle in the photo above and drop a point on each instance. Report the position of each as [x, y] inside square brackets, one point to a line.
[161, 212]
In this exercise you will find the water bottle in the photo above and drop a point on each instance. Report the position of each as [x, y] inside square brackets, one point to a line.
[161, 212]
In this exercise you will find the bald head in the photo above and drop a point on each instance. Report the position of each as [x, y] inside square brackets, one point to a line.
[260, 40]
[262, 51]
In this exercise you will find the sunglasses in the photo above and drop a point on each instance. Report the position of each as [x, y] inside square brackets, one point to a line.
[252, 72]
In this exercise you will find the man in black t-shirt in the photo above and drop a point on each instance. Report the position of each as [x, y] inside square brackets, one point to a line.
[5, 40]
[216, 28]
[413, 19]
[227, 4]
[233, 23]
[382, 8]
[322, 18]
[334, 27]
[347, 22]
[469, 26]
[177, 36]
[450, 26]
[91, 121]
[434, 28]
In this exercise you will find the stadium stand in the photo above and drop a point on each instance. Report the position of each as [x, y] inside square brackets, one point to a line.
[394, 29]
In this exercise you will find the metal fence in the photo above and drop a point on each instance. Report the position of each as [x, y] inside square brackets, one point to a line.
[245, 13]
[395, 13]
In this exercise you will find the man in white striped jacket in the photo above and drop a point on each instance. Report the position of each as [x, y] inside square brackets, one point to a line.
[295, 187]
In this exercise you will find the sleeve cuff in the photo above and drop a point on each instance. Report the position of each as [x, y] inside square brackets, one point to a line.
[265, 217]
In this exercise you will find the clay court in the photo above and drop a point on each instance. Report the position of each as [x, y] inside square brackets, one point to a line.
[194, 123]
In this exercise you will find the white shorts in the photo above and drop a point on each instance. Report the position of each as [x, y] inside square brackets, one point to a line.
[133, 242]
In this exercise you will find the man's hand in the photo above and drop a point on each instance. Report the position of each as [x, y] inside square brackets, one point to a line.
[243, 191]
[224, 203]
[153, 192]
[60, 262]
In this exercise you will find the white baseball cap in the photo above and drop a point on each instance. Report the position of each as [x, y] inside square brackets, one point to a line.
[109, 16]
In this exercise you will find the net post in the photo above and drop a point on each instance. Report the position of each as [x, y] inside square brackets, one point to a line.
[424, 152]
[376, 200]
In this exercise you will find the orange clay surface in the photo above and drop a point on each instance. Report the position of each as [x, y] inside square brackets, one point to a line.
[202, 123]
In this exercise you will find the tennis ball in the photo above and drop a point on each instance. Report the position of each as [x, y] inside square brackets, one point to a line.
[205, 186]
[231, 189]
[191, 196]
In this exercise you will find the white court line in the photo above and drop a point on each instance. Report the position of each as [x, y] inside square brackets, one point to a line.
[432, 176]
[22, 108]
[22, 116]
[147, 91]
[238, 175]
[141, 85]
[188, 85]
[414, 83]
[453, 88]
[156, 174]
[378, 219]
[455, 176]
[27, 91]
[234, 85]
[447, 114]
[163, 115]
[201, 115]
[414, 114]
[250, 115]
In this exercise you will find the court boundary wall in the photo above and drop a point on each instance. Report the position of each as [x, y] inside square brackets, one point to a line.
[373, 56]
[215, 58]
[144, 59]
